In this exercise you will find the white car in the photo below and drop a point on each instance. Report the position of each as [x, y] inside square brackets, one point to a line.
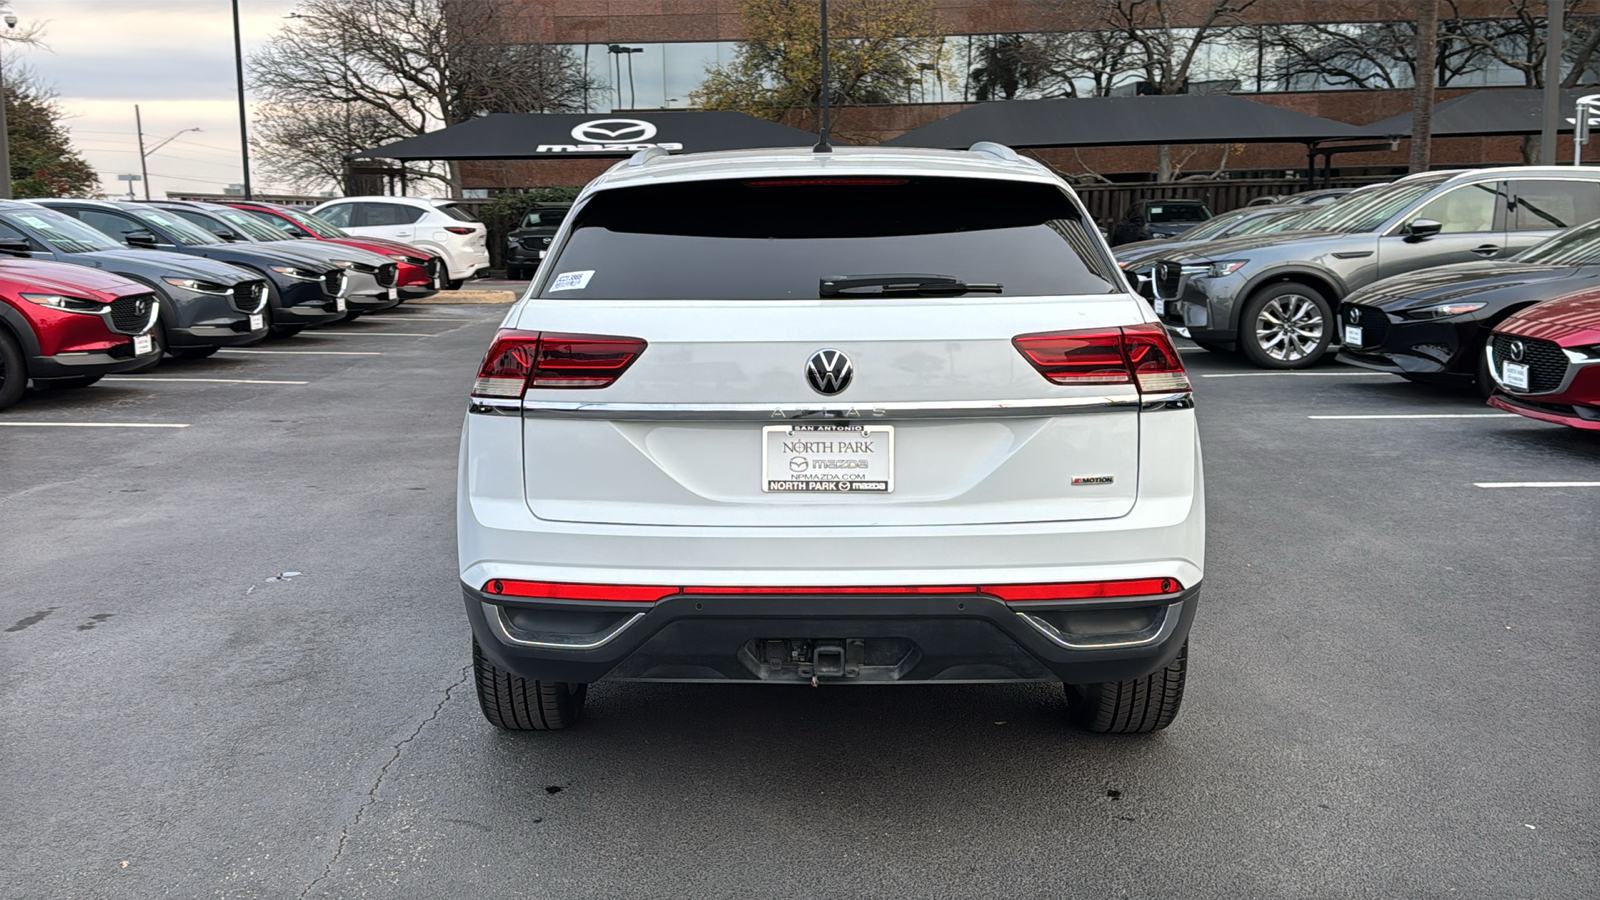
[862, 417]
[442, 226]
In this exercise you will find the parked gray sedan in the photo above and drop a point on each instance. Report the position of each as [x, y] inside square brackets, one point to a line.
[1272, 297]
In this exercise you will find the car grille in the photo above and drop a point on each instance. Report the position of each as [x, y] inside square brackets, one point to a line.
[1373, 322]
[333, 283]
[388, 274]
[133, 314]
[249, 296]
[1169, 276]
[535, 242]
[1547, 365]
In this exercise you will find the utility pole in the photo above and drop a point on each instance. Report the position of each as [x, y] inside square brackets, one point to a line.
[144, 172]
[5, 134]
[244, 128]
[1422, 90]
[1555, 30]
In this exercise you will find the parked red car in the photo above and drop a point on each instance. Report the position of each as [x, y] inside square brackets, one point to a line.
[1546, 361]
[422, 272]
[65, 326]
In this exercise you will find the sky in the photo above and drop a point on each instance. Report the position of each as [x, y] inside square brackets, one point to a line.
[174, 58]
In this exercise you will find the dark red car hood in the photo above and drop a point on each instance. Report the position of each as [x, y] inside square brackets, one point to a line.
[41, 276]
[1571, 321]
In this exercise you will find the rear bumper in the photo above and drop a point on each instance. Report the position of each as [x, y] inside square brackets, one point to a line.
[867, 639]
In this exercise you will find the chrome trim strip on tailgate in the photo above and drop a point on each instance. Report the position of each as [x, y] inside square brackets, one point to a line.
[971, 409]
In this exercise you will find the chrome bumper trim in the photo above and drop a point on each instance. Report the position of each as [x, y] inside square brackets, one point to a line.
[1155, 634]
[502, 629]
[765, 412]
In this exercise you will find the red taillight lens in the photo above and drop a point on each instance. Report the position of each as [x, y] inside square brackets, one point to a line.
[555, 590]
[638, 593]
[1140, 354]
[1084, 590]
[518, 360]
[459, 229]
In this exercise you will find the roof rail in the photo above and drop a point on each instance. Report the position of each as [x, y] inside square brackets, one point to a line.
[644, 156]
[995, 151]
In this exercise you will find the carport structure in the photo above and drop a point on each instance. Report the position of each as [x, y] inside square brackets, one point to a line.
[1496, 112]
[1139, 121]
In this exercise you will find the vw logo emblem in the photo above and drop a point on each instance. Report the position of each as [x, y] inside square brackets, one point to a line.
[614, 131]
[1517, 350]
[828, 371]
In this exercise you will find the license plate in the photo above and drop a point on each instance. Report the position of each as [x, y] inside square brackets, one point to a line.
[803, 459]
[339, 305]
[538, 254]
[1515, 375]
[143, 344]
[1161, 306]
[1352, 335]
[438, 283]
[394, 293]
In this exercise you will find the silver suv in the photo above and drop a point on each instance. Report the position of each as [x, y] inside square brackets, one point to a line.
[1272, 297]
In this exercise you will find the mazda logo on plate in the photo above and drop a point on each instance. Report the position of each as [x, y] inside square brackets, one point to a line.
[614, 131]
[1353, 316]
[1518, 350]
[828, 371]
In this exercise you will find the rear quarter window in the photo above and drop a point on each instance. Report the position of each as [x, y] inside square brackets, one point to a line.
[777, 239]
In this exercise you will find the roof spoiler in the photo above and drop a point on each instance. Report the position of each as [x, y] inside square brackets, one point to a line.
[995, 151]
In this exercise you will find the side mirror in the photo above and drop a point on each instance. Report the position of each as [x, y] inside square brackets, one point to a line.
[140, 239]
[1421, 229]
[225, 235]
[15, 247]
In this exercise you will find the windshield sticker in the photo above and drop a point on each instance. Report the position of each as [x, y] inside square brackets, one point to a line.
[572, 281]
[35, 221]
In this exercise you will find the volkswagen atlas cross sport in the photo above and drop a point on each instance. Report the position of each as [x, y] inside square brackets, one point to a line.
[777, 416]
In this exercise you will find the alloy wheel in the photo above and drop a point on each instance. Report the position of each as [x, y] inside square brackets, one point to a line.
[1289, 327]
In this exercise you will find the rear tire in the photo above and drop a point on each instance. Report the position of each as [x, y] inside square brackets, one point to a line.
[1139, 706]
[520, 704]
[13, 370]
[456, 283]
[513, 273]
[191, 352]
[1286, 326]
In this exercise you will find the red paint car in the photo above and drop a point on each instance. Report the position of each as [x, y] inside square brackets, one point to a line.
[422, 272]
[1546, 361]
[65, 326]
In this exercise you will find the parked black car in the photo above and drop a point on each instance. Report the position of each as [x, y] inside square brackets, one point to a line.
[301, 290]
[1432, 325]
[527, 243]
[1152, 219]
[204, 304]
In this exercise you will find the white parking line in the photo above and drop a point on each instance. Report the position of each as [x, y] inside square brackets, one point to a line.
[406, 317]
[372, 334]
[303, 352]
[1535, 484]
[90, 425]
[202, 380]
[1428, 416]
[1302, 375]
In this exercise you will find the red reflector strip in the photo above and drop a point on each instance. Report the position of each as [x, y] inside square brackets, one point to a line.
[556, 590]
[634, 593]
[1085, 590]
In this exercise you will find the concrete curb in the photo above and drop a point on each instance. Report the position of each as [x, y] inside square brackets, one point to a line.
[445, 298]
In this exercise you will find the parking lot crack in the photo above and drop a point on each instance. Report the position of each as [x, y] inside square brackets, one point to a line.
[377, 782]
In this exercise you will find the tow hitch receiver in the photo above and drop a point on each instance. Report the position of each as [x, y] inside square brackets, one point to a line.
[827, 660]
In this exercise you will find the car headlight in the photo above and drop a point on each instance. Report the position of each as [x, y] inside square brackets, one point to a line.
[302, 274]
[1224, 268]
[198, 286]
[65, 303]
[1441, 310]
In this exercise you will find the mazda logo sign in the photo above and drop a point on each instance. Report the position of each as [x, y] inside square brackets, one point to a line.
[613, 131]
[1353, 316]
[1517, 350]
[828, 371]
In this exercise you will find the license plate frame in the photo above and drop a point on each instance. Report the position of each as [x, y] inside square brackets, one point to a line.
[258, 321]
[394, 293]
[859, 458]
[143, 343]
[1514, 375]
[1353, 335]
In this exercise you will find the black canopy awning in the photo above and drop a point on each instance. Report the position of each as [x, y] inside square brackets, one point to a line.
[1127, 121]
[562, 135]
[1488, 113]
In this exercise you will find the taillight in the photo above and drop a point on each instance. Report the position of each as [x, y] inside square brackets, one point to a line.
[1141, 355]
[518, 360]
[459, 229]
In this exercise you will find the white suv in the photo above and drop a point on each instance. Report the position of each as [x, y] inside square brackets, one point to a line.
[442, 226]
[862, 417]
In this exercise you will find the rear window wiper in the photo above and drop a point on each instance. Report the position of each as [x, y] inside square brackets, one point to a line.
[900, 285]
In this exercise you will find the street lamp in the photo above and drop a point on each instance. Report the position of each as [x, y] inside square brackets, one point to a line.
[138, 125]
[10, 18]
[244, 128]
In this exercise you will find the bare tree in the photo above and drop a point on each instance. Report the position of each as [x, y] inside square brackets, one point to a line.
[306, 145]
[1376, 55]
[406, 67]
[1422, 91]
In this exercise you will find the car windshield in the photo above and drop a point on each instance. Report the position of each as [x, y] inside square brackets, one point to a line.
[250, 225]
[62, 232]
[543, 218]
[776, 239]
[1578, 246]
[181, 231]
[1162, 213]
[1217, 226]
[1283, 221]
[1367, 211]
[314, 224]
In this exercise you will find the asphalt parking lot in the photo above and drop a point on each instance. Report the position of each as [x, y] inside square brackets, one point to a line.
[1393, 690]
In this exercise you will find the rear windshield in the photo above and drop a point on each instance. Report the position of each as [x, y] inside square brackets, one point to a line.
[459, 213]
[1181, 212]
[778, 239]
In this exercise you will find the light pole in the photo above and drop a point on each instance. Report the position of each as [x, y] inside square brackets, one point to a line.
[144, 171]
[5, 135]
[244, 128]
